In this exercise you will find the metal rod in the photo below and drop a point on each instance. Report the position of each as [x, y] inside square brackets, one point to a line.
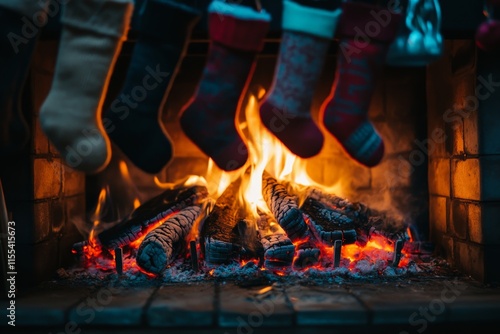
[398, 247]
[194, 255]
[337, 248]
[119, 260]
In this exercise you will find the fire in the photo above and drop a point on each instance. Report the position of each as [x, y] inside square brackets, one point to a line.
[266, 154]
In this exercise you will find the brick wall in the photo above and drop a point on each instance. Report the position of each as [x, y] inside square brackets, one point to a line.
[42, 195]
[464, 182]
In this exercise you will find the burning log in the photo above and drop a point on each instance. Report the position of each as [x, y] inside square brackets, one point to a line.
[366, 221]
[119, 260]
[279, 250]
[219, 232]
[284, 207]
[337, 251]
[146, 216]
[194, 255]
[328, 224]
[162, 245]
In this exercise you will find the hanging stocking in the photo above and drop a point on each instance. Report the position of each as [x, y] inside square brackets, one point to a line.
[363, 44]
[92, 36]
[286, 111]
[419, 41]
[20, 23]
[237, 33]
[488, 32]
[133, 121]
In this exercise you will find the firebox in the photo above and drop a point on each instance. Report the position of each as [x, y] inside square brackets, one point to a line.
[418, 233]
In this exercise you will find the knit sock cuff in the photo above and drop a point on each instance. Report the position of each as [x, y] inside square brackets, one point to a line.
[106, 17]
[309, 20]
[377, 23]
[25, 7]
[237, 26]
[168, 21]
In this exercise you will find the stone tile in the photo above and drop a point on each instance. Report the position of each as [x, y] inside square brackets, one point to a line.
[47, 178]
[471, 133]
[482, 222]
[395, 305]
[439, 177]
[458, 219]
[316, 306]
[474, 308]
[250, 308]
[47, 306]
[182, 305]
[112, 306]
[465, 179]
[438, 213]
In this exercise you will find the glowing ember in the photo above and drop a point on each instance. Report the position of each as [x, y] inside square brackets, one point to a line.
[374, 251]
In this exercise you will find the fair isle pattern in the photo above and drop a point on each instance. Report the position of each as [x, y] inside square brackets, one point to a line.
[363, 142]
[299, 67]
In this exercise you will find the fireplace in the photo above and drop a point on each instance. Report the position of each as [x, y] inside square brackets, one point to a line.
[438, 175]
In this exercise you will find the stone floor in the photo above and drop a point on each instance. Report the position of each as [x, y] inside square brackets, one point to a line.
[408, 305]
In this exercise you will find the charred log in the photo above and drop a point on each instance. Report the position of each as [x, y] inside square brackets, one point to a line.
[142, 219]
[219, 232]
[278, 248]
[284, 207]
[162, 245]
[327, 223]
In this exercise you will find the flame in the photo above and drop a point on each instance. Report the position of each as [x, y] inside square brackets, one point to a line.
[137, 203]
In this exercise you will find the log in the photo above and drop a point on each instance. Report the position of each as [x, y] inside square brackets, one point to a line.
[279, 250]
[328, 224]
[219, 231]
[162, 245]
[284, 207]
[146, 216]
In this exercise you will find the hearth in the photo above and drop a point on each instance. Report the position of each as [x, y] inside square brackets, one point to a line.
[324, 241]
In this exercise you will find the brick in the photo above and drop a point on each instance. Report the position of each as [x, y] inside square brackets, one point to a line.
[182, 305]
[439, 177]
[483, 224]
[42, 221]
[326, 306]
[57, 215]
[73, 181]
[458, 219]
[48, 306]
[393, 172]
[400, 307]
[469, 257]
[346, 174]
[438, 213]
[398, 137]
[40, 141]
[250, 307]
[465, 178]
[47, 178]
[117, 307]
